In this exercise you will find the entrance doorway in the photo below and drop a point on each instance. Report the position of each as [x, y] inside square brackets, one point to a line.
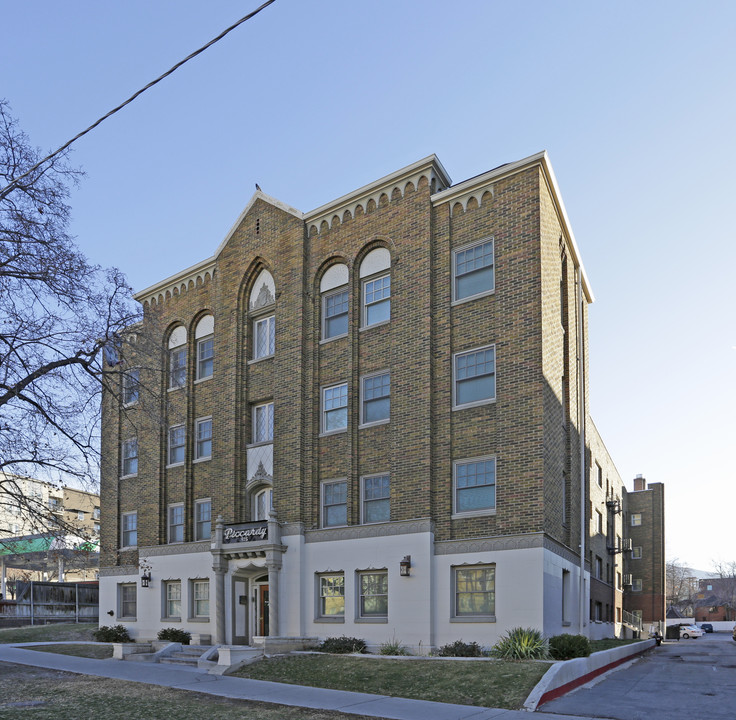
[262, 599]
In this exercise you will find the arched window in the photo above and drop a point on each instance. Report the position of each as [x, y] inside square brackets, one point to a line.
[375, 275]
[178, 357]
[204, 335]
[260, 306]
[334, 293]
[262, 504]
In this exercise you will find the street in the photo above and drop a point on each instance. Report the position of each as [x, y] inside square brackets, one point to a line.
[685, 680]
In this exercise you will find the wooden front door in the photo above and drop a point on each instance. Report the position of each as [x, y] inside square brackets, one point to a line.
[263, 610]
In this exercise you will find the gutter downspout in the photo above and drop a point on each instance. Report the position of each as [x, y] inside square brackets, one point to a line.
[581, 426]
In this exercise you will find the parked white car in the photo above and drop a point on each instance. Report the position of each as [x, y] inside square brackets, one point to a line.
[690, 631]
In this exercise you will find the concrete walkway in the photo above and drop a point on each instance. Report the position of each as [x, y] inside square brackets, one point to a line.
[184, 678]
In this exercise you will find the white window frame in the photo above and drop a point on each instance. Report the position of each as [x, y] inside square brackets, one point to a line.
[123, 589]
[128, 458]
[324, 411]
[258, 411]
[125, 533]
[364, 400]
[365, 501]
[365, 305]
[267, 494]
[205, 362]
[491, 509]
[636, 555]
[175, 381]
[343, 290]
[199, 597]
[362, 595]
[170, 525]
[131, 387]
[635, 519]
[172, 599]
[269, 321]
[328, 586]
[457, 614]
[455, 275]
[199, 523]
[455, 380]
[199, 456]
[172, 447]
[324, 506]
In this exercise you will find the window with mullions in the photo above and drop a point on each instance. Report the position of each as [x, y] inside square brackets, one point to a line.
[335, 408]
[475, 591]
[475, 485]
[474, 271]
[264, 337]
[129, 529]
[131, 386]
[200, 598]
[127, 606]
[376, 400]
[176, 523]
[376, 499]
[475, 377]
[203, 448]
[173, 599]
[332, 596]
[205, 358]
[377, 300]
[202, 519]
[334, 314]
[373, 594]
[335, 503]
[177, 367]
[129, 454]
[263, 423]
[177, 444]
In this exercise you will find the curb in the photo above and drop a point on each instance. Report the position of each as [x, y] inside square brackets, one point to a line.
[565, 676]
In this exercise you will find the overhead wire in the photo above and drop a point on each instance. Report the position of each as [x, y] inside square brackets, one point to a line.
[8, 188]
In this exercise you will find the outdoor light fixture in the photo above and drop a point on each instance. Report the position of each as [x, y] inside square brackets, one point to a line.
[404, 566]
[146, 578]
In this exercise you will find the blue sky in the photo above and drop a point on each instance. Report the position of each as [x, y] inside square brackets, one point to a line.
[634, 101]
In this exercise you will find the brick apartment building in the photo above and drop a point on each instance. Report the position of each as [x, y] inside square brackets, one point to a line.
[370, 419]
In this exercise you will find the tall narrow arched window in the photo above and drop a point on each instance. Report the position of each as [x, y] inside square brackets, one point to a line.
[262, 504]
[177, 359]
[261, 306]
[205, 336]
[375, 276]
[334, 295]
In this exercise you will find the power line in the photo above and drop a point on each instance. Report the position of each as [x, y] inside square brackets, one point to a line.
[4, 192]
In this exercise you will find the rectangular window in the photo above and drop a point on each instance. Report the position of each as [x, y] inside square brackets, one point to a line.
[373, 594]
[335, 408]
[335, 503]
[176, 523]
[96, 513]
[598, 522]
[376, 399]
[475, 591]
[205, 358]
[130, 457]
[131, 386]
[177, 441]
[129, 527]
[475, 485]
[332, 595]
[127, 599]
[202, 519]
[636, 553]
[599, 475]
[475, 377]
[334, 314]
[636, 585]
[377, 300]
[264, 337]
[474, 270]
[177, 367]
[263, 423]
[598, 568]
[203, 450]
[200, 598]
[635, 519]
[173, 599]
[80, 515]
[376, 499]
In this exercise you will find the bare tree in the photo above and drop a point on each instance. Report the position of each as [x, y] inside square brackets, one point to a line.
[58, 312]
[681, 585]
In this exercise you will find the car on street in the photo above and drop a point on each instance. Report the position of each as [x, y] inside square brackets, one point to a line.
[690, 631]
[707, 627]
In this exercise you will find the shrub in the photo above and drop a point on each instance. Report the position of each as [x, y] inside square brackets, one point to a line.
[110, 634]
[175, 635]
[566, 647]
[393, 646]
[460, 649]
[521, 644]
[343, 645]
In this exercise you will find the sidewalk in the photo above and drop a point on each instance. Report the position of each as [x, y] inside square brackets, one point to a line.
[183, 678]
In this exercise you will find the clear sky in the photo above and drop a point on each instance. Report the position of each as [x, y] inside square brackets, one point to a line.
[634, 101]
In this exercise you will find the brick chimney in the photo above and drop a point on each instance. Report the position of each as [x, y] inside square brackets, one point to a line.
[639, 483]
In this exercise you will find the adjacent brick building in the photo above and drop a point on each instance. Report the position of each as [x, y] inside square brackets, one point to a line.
[369, 419]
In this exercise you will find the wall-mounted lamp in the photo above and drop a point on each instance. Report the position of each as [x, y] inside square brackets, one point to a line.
[146, 578]
[404, 566]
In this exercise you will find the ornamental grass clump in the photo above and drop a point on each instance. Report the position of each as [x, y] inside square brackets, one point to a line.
[567, 647]
[521, 644]
[393, 646]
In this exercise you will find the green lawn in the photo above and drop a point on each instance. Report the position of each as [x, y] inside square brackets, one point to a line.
[467, 682]
[48, 633]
